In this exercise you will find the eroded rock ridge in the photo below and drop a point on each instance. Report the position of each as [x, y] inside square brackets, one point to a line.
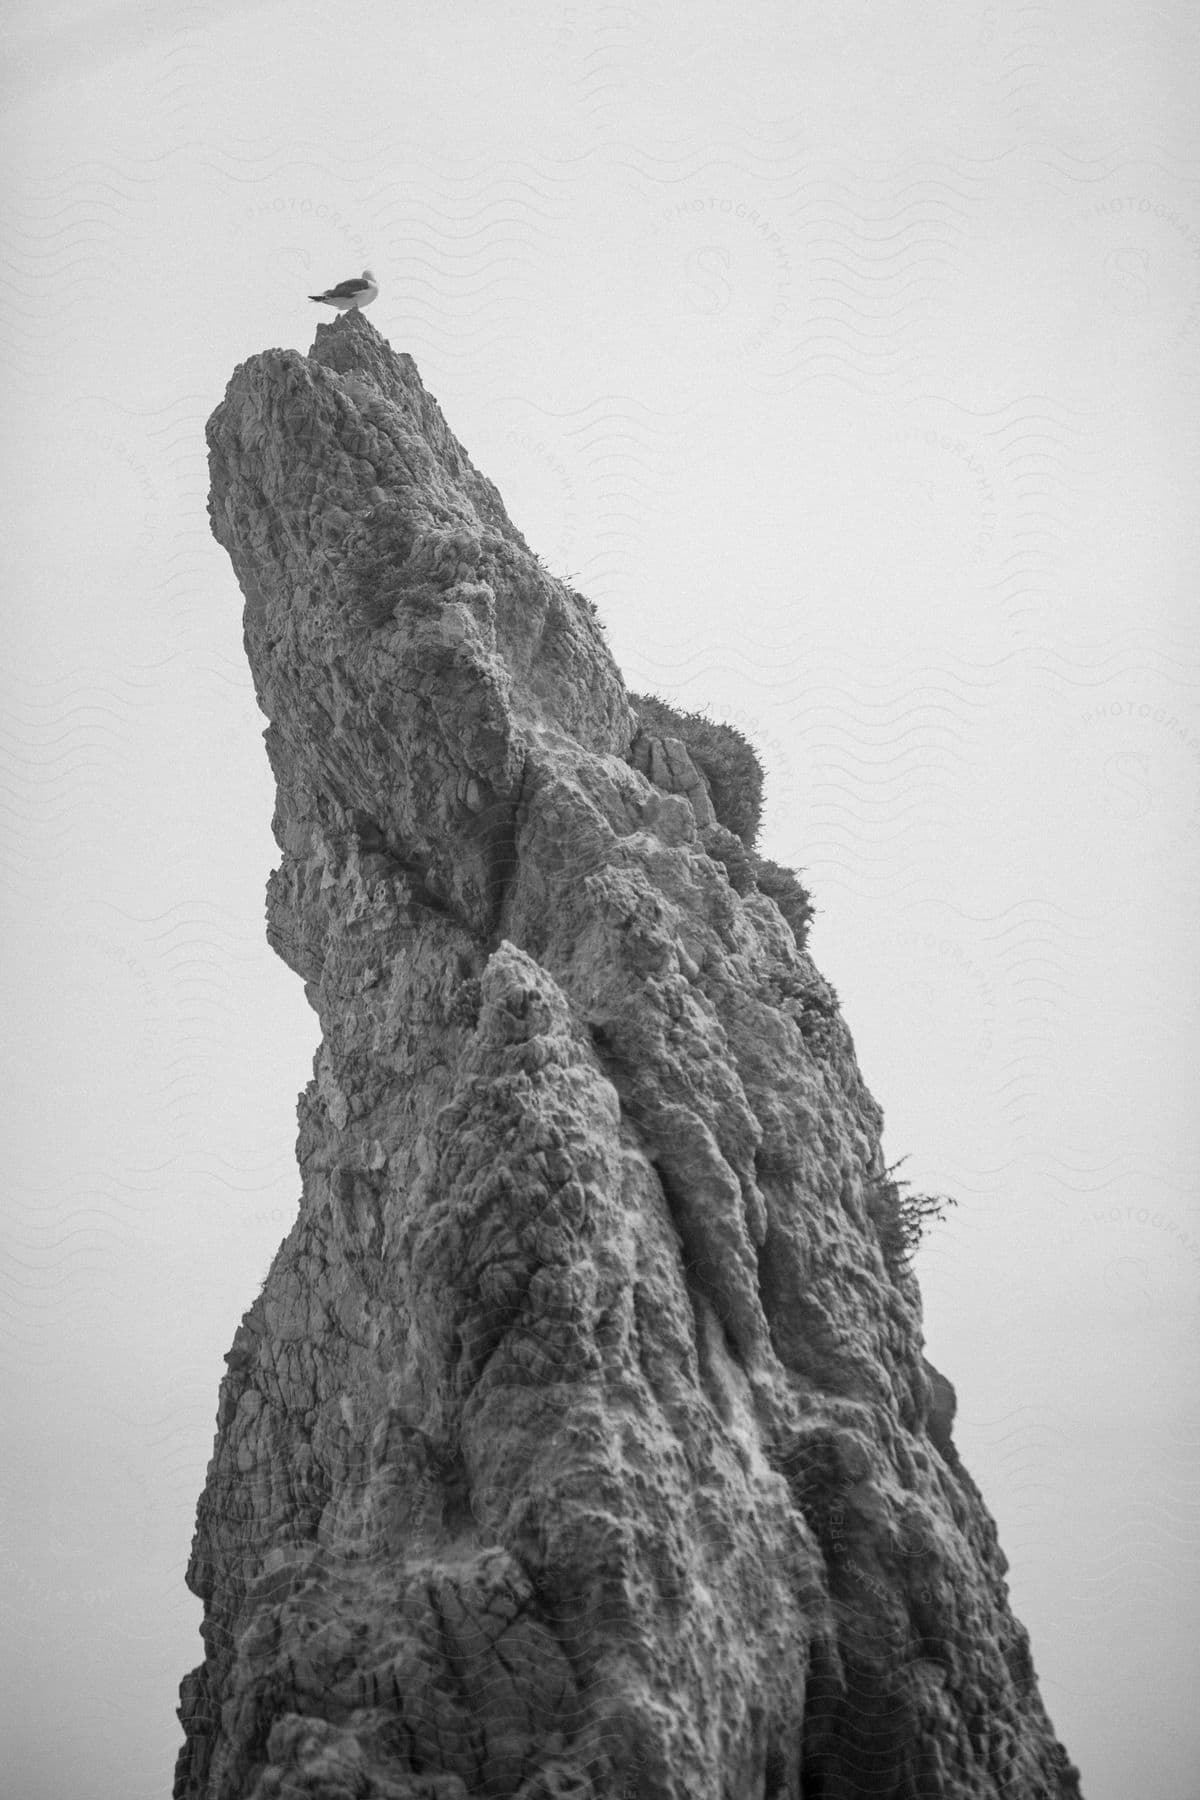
[580, 1444]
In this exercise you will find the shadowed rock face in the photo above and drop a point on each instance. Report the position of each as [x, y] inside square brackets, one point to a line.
[580, 1444]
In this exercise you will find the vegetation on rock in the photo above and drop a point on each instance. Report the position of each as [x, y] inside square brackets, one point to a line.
[727, 760]
[900, 1218]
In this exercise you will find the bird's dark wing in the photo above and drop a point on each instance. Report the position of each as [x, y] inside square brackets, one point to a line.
[346, 289]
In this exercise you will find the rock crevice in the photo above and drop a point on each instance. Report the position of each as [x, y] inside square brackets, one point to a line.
[581, 1442]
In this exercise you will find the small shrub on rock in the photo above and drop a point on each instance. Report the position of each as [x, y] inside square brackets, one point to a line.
[785, 888]
[900, 1218]
[726, 759]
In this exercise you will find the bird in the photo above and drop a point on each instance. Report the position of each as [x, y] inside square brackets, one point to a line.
[359, 291]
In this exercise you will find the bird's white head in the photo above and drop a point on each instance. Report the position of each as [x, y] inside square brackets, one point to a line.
[367, 275]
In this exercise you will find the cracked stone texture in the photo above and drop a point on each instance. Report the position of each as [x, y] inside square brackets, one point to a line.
[580, 1443]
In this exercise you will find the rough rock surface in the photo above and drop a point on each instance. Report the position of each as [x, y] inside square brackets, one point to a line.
[580, 1443]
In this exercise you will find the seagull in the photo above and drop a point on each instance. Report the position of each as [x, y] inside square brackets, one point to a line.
[349, 294]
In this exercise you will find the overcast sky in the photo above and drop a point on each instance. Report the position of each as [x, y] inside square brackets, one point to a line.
[848, 358]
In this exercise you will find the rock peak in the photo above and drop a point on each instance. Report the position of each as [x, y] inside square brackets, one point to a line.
[580, 1441]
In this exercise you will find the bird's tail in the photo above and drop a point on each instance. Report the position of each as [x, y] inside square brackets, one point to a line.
[319, 298]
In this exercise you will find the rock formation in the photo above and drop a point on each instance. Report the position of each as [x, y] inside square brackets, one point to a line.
[580, 1444]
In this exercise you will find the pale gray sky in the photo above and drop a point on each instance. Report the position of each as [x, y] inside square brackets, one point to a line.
[848, 357]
